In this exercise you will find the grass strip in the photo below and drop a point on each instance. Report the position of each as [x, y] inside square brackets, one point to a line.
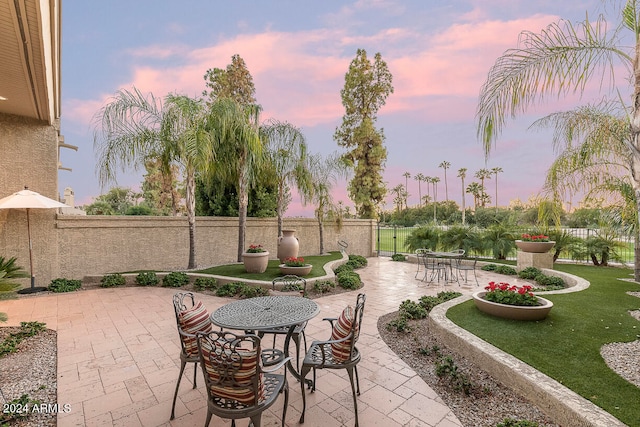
[566, 345]
[237, 270]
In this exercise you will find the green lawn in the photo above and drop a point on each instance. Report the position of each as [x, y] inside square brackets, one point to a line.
[237, 270]
[566, 345]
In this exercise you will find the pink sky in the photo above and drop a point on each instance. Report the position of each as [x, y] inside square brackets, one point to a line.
[439, 57]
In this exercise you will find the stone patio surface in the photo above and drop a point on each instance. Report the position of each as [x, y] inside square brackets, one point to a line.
[118, 358]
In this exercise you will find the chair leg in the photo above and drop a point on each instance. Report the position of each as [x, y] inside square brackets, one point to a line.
[175, 395]
[303, 373]
[209, 414]
[195, 372]
[355, 369]
[286, 400]
[353, 392]
[256, 420]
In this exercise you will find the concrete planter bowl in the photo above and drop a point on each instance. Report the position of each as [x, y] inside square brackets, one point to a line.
[534, 247]
[298, 271]
[514, 312]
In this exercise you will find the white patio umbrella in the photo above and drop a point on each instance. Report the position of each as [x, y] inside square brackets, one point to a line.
[27, 199]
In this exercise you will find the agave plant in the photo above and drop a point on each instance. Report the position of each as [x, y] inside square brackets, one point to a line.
[9, 271]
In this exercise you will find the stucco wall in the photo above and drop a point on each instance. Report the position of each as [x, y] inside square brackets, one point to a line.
[101, 244]
[29, 158]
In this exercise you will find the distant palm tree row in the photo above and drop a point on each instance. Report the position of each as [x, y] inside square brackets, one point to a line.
[480, 196]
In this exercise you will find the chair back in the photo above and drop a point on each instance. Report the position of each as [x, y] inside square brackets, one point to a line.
[290, 283]
[346, 331]
[191, 317]
[231, 367]
[359, 311]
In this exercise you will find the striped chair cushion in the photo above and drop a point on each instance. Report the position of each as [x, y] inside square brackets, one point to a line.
[194, 320]
[231, 377]
[342, 328]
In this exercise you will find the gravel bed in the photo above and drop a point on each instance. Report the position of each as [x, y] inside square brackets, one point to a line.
[31, 370]
[489, 402]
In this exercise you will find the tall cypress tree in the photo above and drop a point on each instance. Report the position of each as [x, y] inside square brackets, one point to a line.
[366, 88]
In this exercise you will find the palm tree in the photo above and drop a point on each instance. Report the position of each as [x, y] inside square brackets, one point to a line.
[406, 175]
[420, 178]
[483, 174]
[324, 174]
[496, 171]
[462, 174]
[240, 150]
[559, 60]
[286, 150]
[476, 190]
[133, 127]
[398, 190]
[445, 165]
[435, 180]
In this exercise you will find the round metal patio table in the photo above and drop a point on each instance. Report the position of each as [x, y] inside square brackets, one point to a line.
[254, 314]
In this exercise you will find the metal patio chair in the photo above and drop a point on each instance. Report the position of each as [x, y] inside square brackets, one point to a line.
[339, 352]
[466, 265]
[238, 386]
[191, 317]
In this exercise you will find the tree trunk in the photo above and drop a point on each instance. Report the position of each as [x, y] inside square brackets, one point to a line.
[280, 208]
[635, 156]
[191, 217]
[321, 231]
[243, 202]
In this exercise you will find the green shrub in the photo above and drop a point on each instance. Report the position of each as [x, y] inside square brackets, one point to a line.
[358, 261]
[344, 267]
[291, 287]
[446, 367]
[147, 278]
[324, 286]
[529, 273]
[550, 281]
[413, 310]
[400, 324]
[349, 280]
[229, 289]
[489, 267]
[27, 329]
[24, 401]
[398, 257]
[112, 280]
[428, 302]
[510, 422]
[205, 284]
[248, 291]
[64, 285]
[175, 279]
[506, 269]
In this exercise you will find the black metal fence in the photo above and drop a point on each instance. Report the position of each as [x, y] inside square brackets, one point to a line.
[391, 240]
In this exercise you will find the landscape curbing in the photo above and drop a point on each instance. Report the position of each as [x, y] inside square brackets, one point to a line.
[94, 280]
[557, 401]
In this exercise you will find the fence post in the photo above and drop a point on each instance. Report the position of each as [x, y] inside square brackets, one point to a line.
[378, 241]
[395, 239]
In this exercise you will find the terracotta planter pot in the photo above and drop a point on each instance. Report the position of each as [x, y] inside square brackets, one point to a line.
[287, 245]
[298, 271]
[255, 262]
[535, 247]
[514, 312]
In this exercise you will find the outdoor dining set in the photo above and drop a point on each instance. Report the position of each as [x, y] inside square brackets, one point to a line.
[242, 376]
[447, 266]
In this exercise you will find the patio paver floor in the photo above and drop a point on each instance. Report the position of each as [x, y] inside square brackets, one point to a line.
[118, 358]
